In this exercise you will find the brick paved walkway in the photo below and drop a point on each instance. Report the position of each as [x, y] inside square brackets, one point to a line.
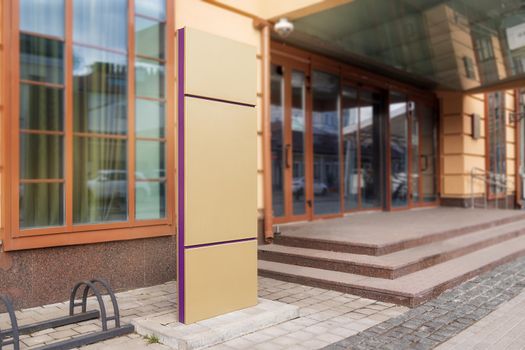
[326, 317]
[457, 319]
[439, 320]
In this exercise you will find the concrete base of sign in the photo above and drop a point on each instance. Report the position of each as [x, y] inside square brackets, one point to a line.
[216, 330]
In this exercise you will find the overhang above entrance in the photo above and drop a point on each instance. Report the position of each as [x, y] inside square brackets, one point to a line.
[466, 45]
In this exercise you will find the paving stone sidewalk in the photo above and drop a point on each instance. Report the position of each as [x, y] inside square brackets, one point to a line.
[437, 321]
[325, 317]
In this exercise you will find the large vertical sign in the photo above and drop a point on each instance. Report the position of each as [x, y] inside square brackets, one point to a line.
[217, 188]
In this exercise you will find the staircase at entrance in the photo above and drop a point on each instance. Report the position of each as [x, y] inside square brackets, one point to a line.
[404, 257]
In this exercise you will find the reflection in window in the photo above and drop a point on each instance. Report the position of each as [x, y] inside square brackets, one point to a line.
[41, 108]
[149, 78]
[151, 200]
[100, 96]
[42, 17]
[41, 114]
[428, 159]
[41, 59]
[350, 115]
[151, 8]
[325, 119]
[398, 149]
[41, 205]
[101, 23]
[496, 137]
[100, 91]
[149, 118]
[298, 141]
[416, 156]
[370, 112]
[149, 38]
[277, 126]
[100, 191]
[150, 144]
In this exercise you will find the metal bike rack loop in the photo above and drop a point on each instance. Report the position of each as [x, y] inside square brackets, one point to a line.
[12, 336]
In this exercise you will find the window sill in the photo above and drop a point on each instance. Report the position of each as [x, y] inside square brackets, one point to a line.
[86, 237]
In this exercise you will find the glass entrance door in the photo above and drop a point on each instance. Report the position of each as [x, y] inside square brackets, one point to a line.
[326, 150]
[290, 179]
[413, 149]
[398, 150]
[362, 113]
[521, 151]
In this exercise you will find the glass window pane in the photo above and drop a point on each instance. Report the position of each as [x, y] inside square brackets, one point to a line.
[44, 17]
[150, 160]
[149, 78]
[41, 108]
[326, 143]
[99, 91]
[149, 38]
[428, 129]
[399, 149]
[150, 118]
[41, 205]
[496, 135]
[101, 23]
[298, 139]
[150, 200]
[100, 186]
[416, 157]
[350, 142]
[277, 126]
[41, 156]
[41, 59]
[372, 108]
[151, 8]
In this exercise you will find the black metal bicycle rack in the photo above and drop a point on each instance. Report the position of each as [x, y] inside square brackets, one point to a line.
[12, 336]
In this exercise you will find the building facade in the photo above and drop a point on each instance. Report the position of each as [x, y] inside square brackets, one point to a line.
[88, 128]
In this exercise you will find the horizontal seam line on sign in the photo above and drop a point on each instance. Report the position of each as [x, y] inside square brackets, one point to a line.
[219, 243]
[220, 100]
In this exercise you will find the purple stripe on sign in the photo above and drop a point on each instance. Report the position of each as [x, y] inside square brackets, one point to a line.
[219, 243]
[180, 242]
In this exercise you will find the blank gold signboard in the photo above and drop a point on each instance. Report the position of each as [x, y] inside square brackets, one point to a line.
[217, 172]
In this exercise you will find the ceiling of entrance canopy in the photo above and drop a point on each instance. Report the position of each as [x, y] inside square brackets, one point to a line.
[455, 44]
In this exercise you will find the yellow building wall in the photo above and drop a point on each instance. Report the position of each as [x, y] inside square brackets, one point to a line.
[460, 153]
[273, 9]
[210, 18]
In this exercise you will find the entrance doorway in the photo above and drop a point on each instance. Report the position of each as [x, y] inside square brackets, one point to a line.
[290, 181]
[412, 148]
[339, 145]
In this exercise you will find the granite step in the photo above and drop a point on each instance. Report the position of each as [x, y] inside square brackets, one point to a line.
[383, 243]
[409, 290]
[395, 264]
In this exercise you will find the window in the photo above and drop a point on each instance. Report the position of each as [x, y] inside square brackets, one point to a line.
[484, 48]
[496, 129]
[91, 119]
[469, 67]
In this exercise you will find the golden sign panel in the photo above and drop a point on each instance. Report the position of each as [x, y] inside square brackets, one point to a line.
[220, 279]
[219, 68]
[220, 171]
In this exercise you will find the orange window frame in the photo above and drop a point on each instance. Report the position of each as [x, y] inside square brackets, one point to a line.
[69, 234]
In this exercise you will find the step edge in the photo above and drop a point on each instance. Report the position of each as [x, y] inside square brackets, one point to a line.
[512, 233]
[510, 256]
[425, 240]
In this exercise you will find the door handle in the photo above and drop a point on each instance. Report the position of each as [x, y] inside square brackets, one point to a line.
[425, 163]
[287, 155]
